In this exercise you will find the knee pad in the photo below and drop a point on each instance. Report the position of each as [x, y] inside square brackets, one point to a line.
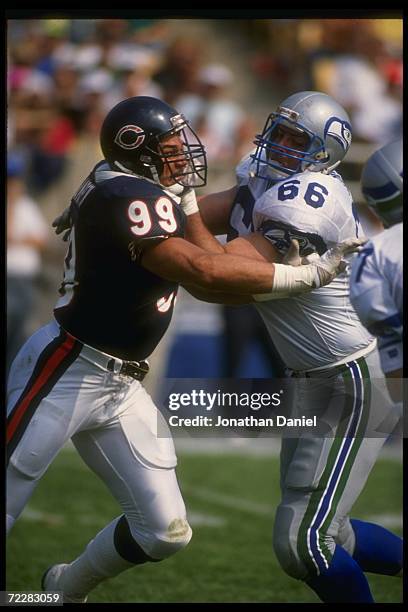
[164, 544]
[139, 547]
[20, 487]
[285, 545]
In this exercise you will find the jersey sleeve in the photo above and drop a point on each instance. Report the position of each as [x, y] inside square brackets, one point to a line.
[144, 216]
[281, 215]
[281, 233]
[371, 297]
[311, 207]
[243, 167]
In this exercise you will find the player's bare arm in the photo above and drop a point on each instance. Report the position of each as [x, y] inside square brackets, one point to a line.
[252, 246]
[215, 209]
[180, 261]
[197, 233]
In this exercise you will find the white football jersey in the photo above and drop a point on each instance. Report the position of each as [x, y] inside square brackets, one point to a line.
[250, 189]
[320, 328]
[376, 292]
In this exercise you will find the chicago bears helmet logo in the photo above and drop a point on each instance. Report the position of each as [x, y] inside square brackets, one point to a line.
[339, 130]
[130, 137]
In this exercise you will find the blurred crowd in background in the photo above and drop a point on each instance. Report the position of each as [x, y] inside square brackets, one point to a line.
[63, 77]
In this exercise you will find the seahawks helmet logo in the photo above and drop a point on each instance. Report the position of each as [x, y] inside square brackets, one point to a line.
[130, 137]
[339, 130]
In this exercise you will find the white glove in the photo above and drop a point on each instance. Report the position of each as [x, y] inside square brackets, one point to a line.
[333, 263]
[292, 257]
[188, 200]
[295, 279]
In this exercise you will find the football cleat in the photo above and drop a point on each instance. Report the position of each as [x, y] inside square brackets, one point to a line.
[50, 580]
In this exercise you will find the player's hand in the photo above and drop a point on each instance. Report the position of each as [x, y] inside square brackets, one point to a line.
[63, 223]
[332, 263]
[188, 201]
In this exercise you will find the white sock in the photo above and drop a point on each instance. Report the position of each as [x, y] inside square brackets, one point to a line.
[98, 562]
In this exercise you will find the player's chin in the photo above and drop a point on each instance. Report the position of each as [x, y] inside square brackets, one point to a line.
[168, 181]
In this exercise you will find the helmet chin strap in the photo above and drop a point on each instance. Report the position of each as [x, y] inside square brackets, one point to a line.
[123, 168]
[128, 171]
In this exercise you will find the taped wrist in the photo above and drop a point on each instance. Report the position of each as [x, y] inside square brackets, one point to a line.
[289, 280]
[189, 202]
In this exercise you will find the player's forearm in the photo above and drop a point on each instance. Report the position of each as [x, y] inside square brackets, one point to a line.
[232, 274]
[198, 234]
[179, 261]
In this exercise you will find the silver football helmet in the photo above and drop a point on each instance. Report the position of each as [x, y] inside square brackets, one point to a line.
[381, 182]
[326, 125]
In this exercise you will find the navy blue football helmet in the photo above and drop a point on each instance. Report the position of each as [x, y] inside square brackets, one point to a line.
[131, 138]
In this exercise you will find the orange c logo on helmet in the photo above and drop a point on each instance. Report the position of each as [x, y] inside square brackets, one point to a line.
[130, 137]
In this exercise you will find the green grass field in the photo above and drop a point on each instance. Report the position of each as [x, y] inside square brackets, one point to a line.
[230, 502]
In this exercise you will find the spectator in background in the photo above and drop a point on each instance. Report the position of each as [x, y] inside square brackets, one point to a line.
[52, 39]
[221, 123]
[44, 131]
[134, 67]
[93, 87]
[27, 233]
[179, 72]
[354, 65]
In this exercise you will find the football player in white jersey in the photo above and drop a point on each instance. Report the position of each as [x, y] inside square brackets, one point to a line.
[376, 284]
[79, 377]
[288, 188]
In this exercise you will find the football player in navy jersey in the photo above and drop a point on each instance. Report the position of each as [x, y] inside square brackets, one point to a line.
[79, 377]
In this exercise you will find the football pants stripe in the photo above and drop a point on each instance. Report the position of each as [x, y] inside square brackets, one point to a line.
[312, 546]
[51, 365]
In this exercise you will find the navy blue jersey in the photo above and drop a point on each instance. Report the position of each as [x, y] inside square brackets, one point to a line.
[107, 299]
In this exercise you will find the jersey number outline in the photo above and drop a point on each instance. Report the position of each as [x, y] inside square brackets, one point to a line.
[314, 195]
[139, 214]
[362, 257]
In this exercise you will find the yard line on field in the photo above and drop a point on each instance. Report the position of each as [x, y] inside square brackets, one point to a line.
[256, 447]
[230, 501]
[386, 519]
[38, 516]
[200, 519]
[268, 447]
